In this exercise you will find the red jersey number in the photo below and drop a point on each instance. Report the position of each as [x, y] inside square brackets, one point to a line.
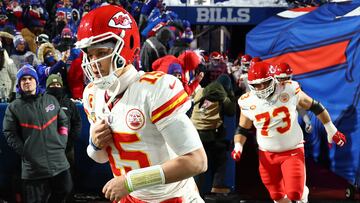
[266, 116]
[131, 156]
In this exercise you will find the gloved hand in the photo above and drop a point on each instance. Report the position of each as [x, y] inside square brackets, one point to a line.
[236, 153]
[338, 138]
[333, 135]
[308, 127]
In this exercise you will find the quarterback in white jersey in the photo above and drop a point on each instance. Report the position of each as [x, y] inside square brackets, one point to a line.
[271, 108]
[138, 120]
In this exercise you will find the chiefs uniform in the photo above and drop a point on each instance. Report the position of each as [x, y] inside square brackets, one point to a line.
[139, 119]
[280, 139]
[275, 118]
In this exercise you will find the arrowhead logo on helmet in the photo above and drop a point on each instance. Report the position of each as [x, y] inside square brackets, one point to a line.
[120, 20]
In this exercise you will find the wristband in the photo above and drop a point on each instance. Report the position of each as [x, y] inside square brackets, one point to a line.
[94, 146]
[238, 147]
[330, 128]
[144, 177]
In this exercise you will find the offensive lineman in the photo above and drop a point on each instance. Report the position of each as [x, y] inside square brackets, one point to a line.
[271, 107]
[283, 73]
[138, 120]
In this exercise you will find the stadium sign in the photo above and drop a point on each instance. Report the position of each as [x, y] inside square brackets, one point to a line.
[225, 15]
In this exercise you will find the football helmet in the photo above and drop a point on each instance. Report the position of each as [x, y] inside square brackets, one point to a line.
[103, 25]
[245, 62]
[261, 73]
[254, 60]
[283, 72]
[215, 58]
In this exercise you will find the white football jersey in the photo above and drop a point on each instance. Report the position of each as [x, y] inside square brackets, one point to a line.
[137, 120]
[275, 118]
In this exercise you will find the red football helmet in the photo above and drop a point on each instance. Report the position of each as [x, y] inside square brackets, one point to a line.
[283, 72]
[215, 57]
[108, 24]
[245, 62]
[255, 60]
[261, 73]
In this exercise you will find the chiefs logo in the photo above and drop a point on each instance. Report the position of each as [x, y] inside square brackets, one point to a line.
[284, 97]
[135, 119]
[120, 20]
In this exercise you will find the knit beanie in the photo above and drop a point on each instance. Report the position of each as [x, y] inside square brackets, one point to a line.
[66, 31]
[18, 39]
[174, 68]
[53, 78]
[27, 69]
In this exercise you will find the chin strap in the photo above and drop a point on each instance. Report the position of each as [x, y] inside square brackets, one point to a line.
[122, 82]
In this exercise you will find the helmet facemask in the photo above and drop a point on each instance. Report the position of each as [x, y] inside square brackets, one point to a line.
[117, 61]
[266, 92]
[245, 66]
[283, 77]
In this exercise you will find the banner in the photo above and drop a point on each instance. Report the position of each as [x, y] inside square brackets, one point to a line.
[225, 15]
[322, 47]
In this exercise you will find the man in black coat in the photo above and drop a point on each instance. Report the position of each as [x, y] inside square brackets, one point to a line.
[36, 128]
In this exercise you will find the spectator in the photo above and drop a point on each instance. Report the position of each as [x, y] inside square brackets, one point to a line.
[55, 87]
[154, 48]
[45, 170]
[36, 17]
[7, 37]
[66, 43]
[50, 64]
[183, 41]
[58, 25]
[74, 21]
[22, 55]
[168, 140]
[146, 9]
[7, 74]
[212, 103]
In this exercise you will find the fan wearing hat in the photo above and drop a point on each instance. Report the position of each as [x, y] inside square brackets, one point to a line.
[50, 63]
[55, 87]
[27, 81]
[21, 54]
[36, 128]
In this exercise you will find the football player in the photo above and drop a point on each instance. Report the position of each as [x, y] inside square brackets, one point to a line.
[283, 73]
[271, 107]
[138, 120]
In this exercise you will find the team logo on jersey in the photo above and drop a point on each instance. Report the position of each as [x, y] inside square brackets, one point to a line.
[284, 97]
[51, 107]
[120, 20]
[135, 119]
